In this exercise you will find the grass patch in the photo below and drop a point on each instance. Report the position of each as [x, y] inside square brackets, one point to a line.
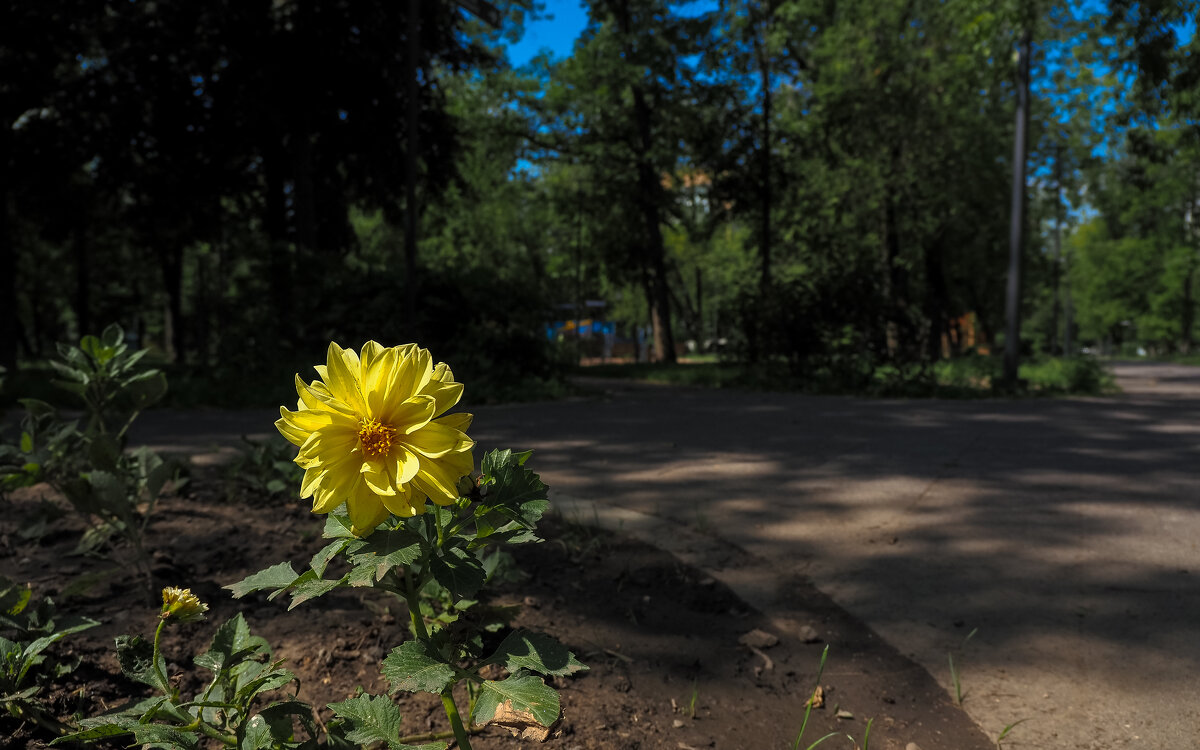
[962, 377]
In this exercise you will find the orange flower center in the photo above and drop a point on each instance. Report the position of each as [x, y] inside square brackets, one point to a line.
[375, 438]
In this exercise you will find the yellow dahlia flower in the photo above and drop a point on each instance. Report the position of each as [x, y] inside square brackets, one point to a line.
[368, 435]
[181, 605]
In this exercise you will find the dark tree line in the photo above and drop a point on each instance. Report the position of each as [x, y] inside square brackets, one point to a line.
[821, 183]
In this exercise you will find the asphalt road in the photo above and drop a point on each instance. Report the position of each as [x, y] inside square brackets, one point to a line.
[1065, 531]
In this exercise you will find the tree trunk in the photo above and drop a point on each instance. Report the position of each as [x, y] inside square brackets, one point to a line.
[81, 245]
[764, 241]
[1012, 299]
[170, 259]
[936, 298]
[279, 267]
[8, 259]
[653, 256]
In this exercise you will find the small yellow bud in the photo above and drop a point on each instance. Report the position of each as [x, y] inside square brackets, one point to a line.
[181, 605]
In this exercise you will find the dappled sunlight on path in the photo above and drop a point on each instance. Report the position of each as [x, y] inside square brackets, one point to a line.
[1065, 530]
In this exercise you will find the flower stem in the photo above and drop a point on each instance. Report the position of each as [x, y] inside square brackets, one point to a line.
[157, 656]
[461, 735]
[414, 607]
[434, 736]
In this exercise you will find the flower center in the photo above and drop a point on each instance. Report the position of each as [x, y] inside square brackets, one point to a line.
[375, 438]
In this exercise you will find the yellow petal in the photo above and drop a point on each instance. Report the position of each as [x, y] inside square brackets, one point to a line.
[341, 375]
[311, 481]
[293, 435]
[328, 446]
[435, 440]
[326, 500]
[439, 478]
[406, 465]
[375, 382]
[377, 477]
[400, 504]
[445, 395]
[461, 421]
[409, 416]
[365, 509]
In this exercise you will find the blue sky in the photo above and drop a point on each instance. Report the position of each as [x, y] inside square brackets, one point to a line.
[556, 34]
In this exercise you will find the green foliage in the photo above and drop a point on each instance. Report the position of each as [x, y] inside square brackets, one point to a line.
[264, 467]
[435, 563]
[113, 489]
[27, 630]
[367, 719]
[225, 710]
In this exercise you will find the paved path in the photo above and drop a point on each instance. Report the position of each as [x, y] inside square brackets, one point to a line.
[1066, 531]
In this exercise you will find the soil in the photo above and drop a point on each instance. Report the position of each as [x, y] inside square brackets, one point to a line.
[661, 638]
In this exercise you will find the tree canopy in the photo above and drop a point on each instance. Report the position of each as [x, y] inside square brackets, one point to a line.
[817, 183]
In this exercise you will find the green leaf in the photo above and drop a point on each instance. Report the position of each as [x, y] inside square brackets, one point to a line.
[337, 526]
[255, 734]
[145, 389]
[526, 692]
[536, 652]
[14, 598]
[279, 718]
[414, 667]
[369, 719]
[104, 452]
[388, 549]
[37, 407]
[277, 578]
[136, 658]
[172, 737]
[270, 679]
[312, 588]
[320, 561]
[512, 489]
[459, 571]
[231, 644]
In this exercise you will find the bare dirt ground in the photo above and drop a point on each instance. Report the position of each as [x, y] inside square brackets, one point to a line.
[661, 637]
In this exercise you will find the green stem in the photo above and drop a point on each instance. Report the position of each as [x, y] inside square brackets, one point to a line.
[37, 717]
[461, 735]
[157, 656]
[210, 731]
[414, 607]
[434, 736]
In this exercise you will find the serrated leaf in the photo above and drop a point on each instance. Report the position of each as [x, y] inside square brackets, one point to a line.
[337, 526]
[276, 578]
[362, 575]
[525, 691]
[112, 728]
[459, 572]
[388, 549]
[311, 589]
[413, 667]
[279, 717]
[320, 561]
[536, 652]
[231, 644]
[255, 734]
[136, 658]
[370, 719]
[270, 680]
[145, 734]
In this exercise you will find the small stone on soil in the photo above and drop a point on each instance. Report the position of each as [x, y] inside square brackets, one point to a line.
[758, 639]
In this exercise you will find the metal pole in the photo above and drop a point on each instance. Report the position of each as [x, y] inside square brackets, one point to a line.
[1012, 302]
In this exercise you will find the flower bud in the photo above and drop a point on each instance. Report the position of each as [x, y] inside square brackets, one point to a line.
[181, 605]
